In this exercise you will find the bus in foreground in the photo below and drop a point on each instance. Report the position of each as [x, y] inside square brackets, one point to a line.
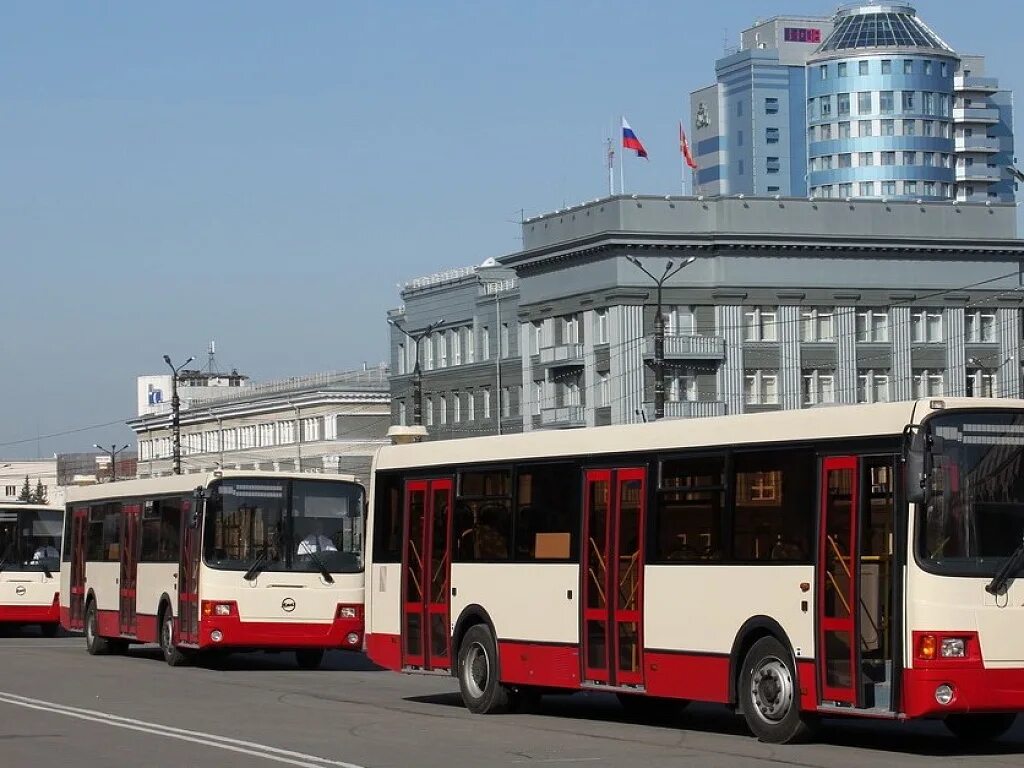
[29, 563]
[847, 561]
[226, 560]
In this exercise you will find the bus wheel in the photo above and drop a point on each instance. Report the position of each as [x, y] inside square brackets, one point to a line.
[981, 727]
[769, 695]
[94, 644]
[49, 630]
[172, 654]
[482, 692]
[309, 658]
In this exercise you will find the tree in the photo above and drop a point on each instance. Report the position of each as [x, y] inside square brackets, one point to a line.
[26, 492]
[40, 496]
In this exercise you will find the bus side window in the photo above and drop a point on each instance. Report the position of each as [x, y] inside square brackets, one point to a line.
[690, 509]
[775, 505]
[387, 519]
[547, 512]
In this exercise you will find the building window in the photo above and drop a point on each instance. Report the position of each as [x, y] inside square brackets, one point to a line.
[401, 359]
[980, 326]
[885, 102]
[888, 187]
[862, 67]
[846, 190]
[910, 158]
[927, 127]
[928, 98]
[504, 342]
[10, 490]
[872, 386]
[771, 105]
[888, 127]
[843, 104]
[872, 325]
[682, 386]
[485, 397]
[844, 129]
[929, 158]
[908, 66]
[604, 390]
[428, 407]
[841, 69]
[888, 158]
[761, 387]
[826, 190]
[759, 324]
[909, 187]
[601, 326]
[772, 190]
[865, 158]
[739, 138]
[867, 189]
[826, 106]
[772, 164]
[908, 101]
[845, 160]
[863, 127]
[864, 103]
[823, 71]
[826, 131]
[816, 324]
[771, 135]
[485, 343]
[928, 383]
[679, 321]
[739, 167]
[456, 407]
[810, 109]
[927, 66]
[981, 383]
[929, 189]
[442, 349]
[818, 386]
[506, 402]
[942, 69]
[909, 127]
[811, 133]
[886, 67]
[739, 109]
[926, 326]
[467, 344]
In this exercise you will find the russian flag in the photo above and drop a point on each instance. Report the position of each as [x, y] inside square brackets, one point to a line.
[630, 141]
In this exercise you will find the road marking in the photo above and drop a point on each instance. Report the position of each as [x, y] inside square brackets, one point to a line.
[252, 748]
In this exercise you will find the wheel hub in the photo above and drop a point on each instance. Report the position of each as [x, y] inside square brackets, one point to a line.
[771, 688]
[477, 667]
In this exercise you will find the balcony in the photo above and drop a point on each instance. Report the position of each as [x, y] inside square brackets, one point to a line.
[688, 347]
[562, 356]
[978, 172]
[978, 84]
[975, 115]
[563, 416]
[688, 409]
[976, 144]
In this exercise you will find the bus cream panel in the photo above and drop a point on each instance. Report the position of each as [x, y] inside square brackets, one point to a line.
[103, 579]
[525, 601]
[65, 584]
[34, 587]
[270, 595]
[155, 580]
[384, 600]
[702, 607]
[957, 604]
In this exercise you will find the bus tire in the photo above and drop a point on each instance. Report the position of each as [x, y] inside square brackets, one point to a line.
[94, 644]
[478, 671]
[980, 727]
[770, 695]
[49, 630]
[309, 658]
[173, 655]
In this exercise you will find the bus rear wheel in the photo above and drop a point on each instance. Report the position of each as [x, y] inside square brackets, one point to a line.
[981, 727]
[479, 682]
[173, 655]
[94, 644]
[309, 658]
[769, 696]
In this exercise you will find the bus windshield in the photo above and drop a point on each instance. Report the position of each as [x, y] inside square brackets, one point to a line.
[972, 519]
[30, 539]
[284, 525]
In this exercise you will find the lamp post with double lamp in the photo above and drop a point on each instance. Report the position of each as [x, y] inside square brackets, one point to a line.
[176, 410]
[417, 372]
[659, 330]
[112, 453]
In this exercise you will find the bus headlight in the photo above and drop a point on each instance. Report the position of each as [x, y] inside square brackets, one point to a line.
[944, 694]
[348, 612]
[953, 648]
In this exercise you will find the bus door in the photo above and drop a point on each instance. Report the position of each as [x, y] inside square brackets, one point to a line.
[426, 575]
[838, 582]
[76, 605]
[188, 575]
[612, 577]
[129, 568]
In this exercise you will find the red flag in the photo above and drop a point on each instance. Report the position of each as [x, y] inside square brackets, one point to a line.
[684, 147]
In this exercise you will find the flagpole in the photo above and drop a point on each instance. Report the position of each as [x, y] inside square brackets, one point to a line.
[622, 155]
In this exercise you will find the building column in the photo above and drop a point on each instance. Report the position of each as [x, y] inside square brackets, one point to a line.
[729, 323]
[846, 355]
[956, 357]
[789, 357]
[625, 340]
[589, 369]
[1008, 373]
[527, 369]
[902, 366]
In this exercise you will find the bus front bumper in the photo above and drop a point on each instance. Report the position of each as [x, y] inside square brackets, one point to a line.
[974, 690]
[31, 614]
[232, 632]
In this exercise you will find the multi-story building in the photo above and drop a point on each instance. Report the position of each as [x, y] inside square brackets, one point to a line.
[890, 111]
[38, 473]
[789, 303]
[328, 422]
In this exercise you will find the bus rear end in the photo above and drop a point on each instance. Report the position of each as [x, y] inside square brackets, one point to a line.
[964, 634]
[30, 538]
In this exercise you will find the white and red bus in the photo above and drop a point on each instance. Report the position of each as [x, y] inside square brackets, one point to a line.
[856, 560]
[227, 561]
[29, 564]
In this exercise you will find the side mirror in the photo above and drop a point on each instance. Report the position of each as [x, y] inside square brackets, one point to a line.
[198, 504]
[914, 477]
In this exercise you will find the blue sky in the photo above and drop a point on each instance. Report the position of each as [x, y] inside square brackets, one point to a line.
[263, 174]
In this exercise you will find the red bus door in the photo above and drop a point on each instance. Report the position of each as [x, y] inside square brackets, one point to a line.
[426, 575]
[838, 593]
[129, 568]
[612, 575]
[76, 606]
[188, 576]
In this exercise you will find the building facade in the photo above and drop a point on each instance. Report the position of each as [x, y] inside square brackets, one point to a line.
[789, 303]
[329, 422]
[37, 472]
[868, 103]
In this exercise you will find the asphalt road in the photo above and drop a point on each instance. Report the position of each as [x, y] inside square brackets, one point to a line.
[59, 706]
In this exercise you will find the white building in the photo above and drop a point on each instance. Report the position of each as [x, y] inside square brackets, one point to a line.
[38, 471]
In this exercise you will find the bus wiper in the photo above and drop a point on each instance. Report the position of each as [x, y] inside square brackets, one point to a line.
[1005, 574]
[46, 569]
[256, 567]
[320, 564]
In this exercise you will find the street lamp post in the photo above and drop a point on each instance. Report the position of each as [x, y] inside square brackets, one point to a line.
[659, 330]
[114, 450]
[417, 372]
[176, 410]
